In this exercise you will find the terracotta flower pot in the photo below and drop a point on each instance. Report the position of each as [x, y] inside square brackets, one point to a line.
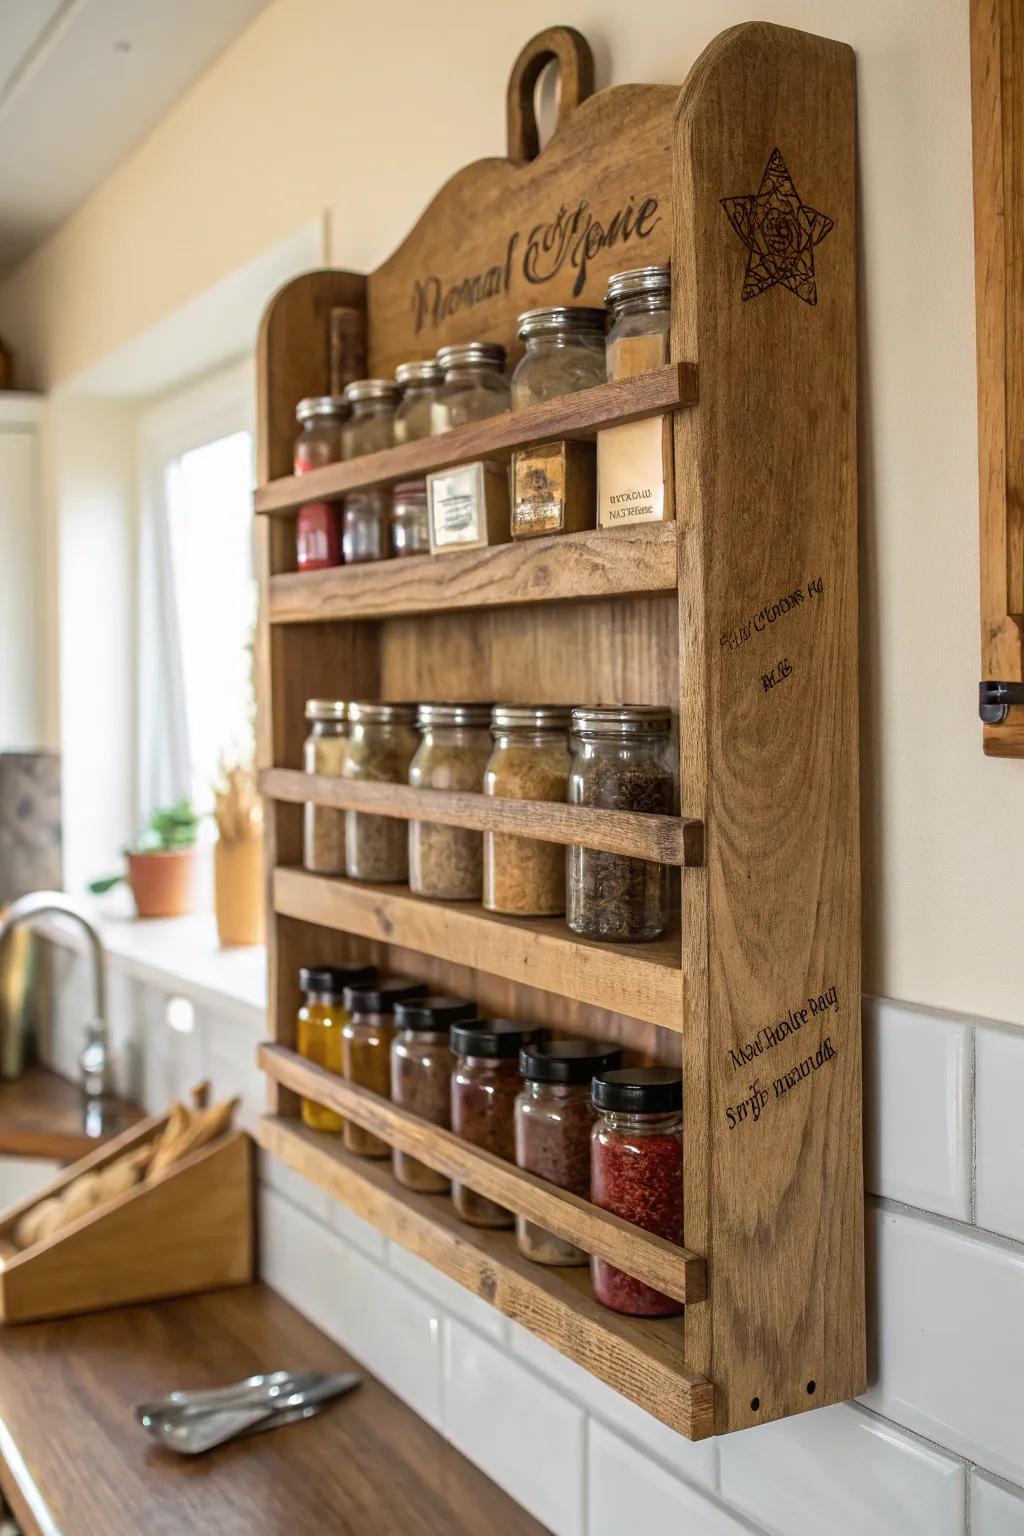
[163, 884]
[238, 891]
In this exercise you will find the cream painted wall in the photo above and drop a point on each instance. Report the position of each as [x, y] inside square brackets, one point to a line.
[363, 111]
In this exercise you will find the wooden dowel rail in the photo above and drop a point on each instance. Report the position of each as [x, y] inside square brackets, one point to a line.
[579, 415]
[657, 1262]
[662, 839]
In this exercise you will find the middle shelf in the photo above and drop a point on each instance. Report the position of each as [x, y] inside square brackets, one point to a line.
[643, 981]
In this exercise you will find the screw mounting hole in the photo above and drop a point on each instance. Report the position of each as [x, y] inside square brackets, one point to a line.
[810, 1388]
[755, 1403]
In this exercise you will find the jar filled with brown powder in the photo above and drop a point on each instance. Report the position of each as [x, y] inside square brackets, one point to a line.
[524, 876]
[323, 826]
[484, 1087]
[421, 1076]
[366, 1049]
[447, 862]
[381, 744]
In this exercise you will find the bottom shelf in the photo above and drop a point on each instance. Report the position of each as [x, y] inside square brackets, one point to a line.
[641, 1359]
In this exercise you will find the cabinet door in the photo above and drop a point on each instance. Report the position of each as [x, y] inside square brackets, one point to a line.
[19, 533]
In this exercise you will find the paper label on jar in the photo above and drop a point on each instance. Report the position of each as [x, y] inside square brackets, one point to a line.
[631, 473]
[456, 506]
[539, 490]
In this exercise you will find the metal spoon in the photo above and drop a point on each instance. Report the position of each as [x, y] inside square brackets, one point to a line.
[254, 1391]
[190, 1433]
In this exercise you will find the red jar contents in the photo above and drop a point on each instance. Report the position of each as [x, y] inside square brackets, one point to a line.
[485, 1083]
[318, 527]
[636, 1171]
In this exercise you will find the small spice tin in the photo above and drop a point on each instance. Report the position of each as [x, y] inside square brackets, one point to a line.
[468, 507]
[553, 489]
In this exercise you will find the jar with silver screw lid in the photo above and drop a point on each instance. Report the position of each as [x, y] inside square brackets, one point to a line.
[420, 383]
[640, 309]
[475, 385]
[565, 351]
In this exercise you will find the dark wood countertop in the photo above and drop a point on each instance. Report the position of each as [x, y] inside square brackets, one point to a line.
[42, 1115]
[73, 1462]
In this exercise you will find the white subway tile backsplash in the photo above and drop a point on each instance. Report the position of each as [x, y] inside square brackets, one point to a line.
[917, 1107]
[301, 1259]
[1000, 1133]
[840, 1470]
[523, 1434]
[357, 1231]
[454, 1298]
[949, 1342]
[995, 1510]
[299, 1191]
[630, 1492]
[695, 1460]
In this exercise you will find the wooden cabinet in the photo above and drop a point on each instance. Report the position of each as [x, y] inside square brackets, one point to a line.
[741, 616]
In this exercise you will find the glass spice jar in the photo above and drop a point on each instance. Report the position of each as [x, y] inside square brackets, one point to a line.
[366, 1038]
[640, 309]
[420, 384]
[475, 385]
[524, 876]
[366, 527]
[381, 745]
[371, 425]
[421, 1073]
[447, 862]
[319, 1025]
[320, 418]
[555, 1115]
[564, 353]
[485, 1083]
[410, 528]
[323, 826]
[621, 762]
[636, 1172]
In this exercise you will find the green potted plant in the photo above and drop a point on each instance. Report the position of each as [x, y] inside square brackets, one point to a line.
[161, 864]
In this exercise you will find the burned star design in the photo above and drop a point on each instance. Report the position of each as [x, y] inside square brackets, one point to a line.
[780, 233]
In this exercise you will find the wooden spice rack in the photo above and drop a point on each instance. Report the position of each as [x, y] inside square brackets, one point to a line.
[741, 615]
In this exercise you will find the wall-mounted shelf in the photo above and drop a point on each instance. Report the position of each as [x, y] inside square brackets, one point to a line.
[740, 616]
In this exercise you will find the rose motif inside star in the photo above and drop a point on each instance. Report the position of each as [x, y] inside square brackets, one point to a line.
[780, 233]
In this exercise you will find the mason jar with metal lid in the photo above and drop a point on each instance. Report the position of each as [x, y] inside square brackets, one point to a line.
[371, 426]
[323, 829]
[320, 417]
[420, 383]
[564, 353]
[381, 744]
[640, 308]
[447, 862]
[475, 385]
[622, 761]
[410, 525]
[524, 876]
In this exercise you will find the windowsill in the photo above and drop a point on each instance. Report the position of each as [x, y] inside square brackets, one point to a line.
[179, 954]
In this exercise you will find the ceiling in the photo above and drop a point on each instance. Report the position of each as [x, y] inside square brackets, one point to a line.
[81, 81]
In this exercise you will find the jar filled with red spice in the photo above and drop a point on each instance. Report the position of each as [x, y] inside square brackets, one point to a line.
[318, 531]
[485, 1083]
[366, 1049]
[555, 1115]
[421, 1076]
[636, 1171]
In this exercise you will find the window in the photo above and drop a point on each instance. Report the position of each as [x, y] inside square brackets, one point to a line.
[197, 590]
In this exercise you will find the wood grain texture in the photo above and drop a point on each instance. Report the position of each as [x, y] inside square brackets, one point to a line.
[660, 1263]
[575, 417]
[642, 980]
[570, 50]
[767, 476]
[663, 839]
[564, 568]
[997, 83]
[640, 1359]
[189, 1229]
[74, 1463]
[42, 1115]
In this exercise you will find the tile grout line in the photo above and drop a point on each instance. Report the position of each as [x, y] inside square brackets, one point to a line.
[972, 1070]
[999, 1240]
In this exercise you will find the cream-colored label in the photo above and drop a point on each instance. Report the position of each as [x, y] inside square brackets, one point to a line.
[539, 477]
[456, 506]
[631, 473]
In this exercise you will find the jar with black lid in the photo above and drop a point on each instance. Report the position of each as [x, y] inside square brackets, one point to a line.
[420, 383]
[565, 351]
[421, 1074]
[319, 1024]
[485, 1083]
[475, 385]
[554, 1118]
[636, 1172]
[622, 761]
[366, 1048]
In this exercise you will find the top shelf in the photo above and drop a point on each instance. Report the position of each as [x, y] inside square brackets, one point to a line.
[577, 416]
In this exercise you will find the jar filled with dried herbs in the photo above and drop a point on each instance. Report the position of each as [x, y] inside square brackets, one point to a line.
[320, 1022]
[622, 761]
[564, 353]
[323, 827]
[637, 1172]
[524, 876]
[475, 385]
[382, 741]
[421, 1076]
[485, 1083]
[447, 862]
[366, 1048]
[371, 426]
[555, 1115]
[420, 383]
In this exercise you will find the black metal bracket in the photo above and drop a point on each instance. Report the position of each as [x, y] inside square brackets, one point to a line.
[994, 700]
